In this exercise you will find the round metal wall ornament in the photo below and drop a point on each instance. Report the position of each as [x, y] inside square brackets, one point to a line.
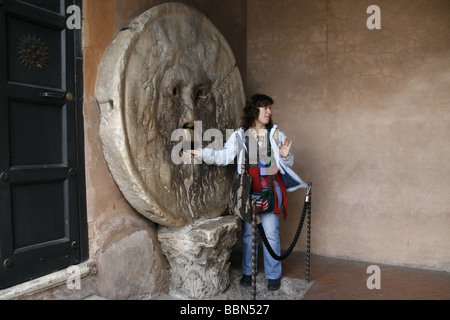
[167, 71]
[33, 52]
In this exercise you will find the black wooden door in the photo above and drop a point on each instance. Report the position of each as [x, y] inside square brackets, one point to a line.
[42, 201]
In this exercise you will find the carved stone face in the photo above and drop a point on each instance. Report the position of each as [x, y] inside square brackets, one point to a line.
[170, 68]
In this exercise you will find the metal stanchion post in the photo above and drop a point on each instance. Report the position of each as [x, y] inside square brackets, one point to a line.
[308, 246]
[254, 254]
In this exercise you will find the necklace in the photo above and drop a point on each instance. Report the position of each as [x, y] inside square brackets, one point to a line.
[259, 138]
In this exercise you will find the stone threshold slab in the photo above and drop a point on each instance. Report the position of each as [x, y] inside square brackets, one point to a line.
[49, 281]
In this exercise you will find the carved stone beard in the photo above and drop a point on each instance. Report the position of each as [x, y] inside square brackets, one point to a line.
[170, 68]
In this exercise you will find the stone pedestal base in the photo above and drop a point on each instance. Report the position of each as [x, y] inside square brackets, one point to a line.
[199, 256]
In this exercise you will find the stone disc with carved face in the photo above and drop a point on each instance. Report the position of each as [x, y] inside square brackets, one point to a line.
[167, 69]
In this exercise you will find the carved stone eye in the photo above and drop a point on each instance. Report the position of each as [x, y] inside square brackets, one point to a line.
[200, 94]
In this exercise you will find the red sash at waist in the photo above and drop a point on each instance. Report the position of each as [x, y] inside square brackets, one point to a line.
[256, 186]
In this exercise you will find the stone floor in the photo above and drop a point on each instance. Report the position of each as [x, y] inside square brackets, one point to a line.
[340, 279]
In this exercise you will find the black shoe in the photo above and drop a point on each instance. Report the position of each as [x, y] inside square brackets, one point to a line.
[274, 284]
[246, 281]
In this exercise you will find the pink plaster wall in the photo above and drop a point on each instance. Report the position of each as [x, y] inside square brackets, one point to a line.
[369, 115]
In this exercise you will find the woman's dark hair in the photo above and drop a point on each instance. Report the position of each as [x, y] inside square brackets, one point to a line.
[251, 110]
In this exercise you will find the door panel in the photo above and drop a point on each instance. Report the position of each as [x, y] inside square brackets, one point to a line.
[50, 196]
[42, 142]
[32, 48]
[41, 184]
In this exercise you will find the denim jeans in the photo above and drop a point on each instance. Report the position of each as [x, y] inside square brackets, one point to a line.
[270, 224]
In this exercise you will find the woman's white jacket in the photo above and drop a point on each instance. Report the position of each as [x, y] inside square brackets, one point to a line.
[235, 146]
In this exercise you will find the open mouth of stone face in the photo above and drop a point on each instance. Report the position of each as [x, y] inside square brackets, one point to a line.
[185, 140]
[189, 142]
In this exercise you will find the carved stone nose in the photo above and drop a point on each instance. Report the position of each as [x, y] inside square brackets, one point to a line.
[188, 116]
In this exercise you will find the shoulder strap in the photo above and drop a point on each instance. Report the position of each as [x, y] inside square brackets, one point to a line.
[245, 165]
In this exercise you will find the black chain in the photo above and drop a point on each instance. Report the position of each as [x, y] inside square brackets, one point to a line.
[306, 207]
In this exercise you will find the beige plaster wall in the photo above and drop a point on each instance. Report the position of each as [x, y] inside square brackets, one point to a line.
[124, 244]
[369, 115]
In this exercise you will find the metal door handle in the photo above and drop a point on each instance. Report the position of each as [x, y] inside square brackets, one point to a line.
[58, 95]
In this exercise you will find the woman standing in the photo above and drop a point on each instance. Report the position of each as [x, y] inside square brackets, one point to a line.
[270, 163]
